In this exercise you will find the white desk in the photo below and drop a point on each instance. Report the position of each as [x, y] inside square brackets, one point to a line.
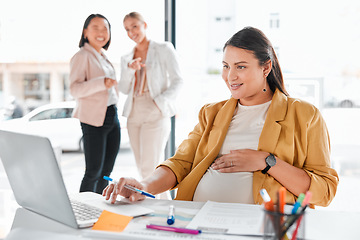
[319, 225]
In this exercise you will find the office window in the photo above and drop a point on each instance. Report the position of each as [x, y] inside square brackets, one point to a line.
[51, 48]
[1, 82]
[274, 20]
[2, 100]
[224, 19]
[37, 40]
[66, 81]
[314, 69]
[277, 51]
[37, 86]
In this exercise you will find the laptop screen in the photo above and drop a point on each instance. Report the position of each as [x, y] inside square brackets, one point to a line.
[35, 176]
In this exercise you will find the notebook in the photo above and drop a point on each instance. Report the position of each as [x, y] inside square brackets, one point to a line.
[36, 180]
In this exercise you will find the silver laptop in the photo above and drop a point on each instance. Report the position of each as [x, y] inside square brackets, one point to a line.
[37, 183]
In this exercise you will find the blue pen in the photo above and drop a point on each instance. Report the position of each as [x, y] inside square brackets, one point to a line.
[298, 203]
[131, 188]
[171, 216]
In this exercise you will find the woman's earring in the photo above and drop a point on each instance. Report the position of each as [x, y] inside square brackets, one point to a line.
[264, 89]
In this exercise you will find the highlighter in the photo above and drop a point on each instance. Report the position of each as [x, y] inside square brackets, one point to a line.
[268, 203]
[298, 203]
[281, 200]
[171, 215]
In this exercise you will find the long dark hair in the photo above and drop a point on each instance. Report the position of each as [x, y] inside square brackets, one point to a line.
[84, 40]
[254, 40]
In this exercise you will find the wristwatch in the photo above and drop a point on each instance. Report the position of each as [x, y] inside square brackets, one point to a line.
[270, 162]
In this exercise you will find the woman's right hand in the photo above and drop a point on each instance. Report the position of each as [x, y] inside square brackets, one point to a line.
[112, 190]
[109, 82]
[136, 64]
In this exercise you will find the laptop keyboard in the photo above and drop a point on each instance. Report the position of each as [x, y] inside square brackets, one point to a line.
[85, 212]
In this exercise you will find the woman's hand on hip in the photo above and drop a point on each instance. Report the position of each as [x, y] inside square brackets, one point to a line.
[241, 160]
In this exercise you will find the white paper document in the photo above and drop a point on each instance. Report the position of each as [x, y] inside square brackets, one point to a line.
[229, 218]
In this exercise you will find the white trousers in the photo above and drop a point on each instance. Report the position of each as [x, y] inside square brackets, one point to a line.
[148, 133]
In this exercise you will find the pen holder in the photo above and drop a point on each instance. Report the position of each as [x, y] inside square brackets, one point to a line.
[284, 226]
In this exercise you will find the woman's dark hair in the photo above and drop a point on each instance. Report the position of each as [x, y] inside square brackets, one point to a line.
[84, 40]
[254, 40]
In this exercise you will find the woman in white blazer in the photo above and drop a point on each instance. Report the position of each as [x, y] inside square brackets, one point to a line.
[150, 76]
[93, 84]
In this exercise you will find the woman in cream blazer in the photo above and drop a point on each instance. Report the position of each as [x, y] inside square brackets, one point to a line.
[163, 77]
[150, 76]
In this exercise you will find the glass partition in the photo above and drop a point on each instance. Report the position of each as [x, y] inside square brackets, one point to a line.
[318, 50]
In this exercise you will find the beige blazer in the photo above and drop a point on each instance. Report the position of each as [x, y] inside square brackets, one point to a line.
[294, 131]
[87, 86]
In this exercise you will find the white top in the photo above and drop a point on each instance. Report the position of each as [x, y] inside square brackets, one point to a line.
[243, 133]
[109, 73]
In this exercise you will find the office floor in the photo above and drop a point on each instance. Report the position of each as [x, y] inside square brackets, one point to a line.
[72, 165]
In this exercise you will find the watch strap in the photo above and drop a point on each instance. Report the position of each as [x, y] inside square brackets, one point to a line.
[266, 169]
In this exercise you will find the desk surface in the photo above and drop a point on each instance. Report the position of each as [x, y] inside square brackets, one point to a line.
[319, 225]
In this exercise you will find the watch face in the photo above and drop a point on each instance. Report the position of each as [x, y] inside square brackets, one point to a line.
[270, 160]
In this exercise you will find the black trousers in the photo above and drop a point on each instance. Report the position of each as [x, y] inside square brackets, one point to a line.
[101, 146]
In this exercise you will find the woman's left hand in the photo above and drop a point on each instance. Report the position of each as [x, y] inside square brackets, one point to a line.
[241, 160]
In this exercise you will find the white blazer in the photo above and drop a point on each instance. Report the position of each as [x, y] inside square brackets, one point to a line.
[162, 75]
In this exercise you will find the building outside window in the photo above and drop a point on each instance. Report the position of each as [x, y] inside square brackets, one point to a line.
[274, 20]
[314, 69]
[36, 89]
[66, 81]
[1, 83]
[1, 91]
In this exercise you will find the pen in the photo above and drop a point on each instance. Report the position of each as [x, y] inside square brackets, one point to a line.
[304, 205]
[292, 221]
[131, 188]
[281, 207]
[171, 216]
[173, 229]
[298, 203]
[298, 224]
[268, 203]
[139, 191]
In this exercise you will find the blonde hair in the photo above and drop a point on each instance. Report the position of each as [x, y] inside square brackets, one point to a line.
[135, 15]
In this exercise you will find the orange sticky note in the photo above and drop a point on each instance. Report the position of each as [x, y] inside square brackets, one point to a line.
[112, 222]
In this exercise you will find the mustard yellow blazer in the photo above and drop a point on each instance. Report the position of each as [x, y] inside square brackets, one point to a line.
[294, 131]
